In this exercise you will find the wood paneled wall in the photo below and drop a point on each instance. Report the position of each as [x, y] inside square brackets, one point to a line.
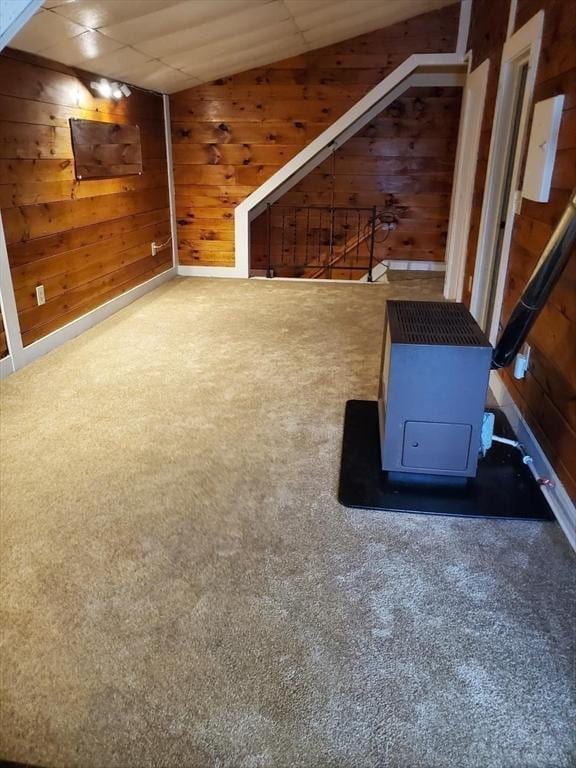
[547, 396]
[85, 241]
[233, 134]
[403, 162]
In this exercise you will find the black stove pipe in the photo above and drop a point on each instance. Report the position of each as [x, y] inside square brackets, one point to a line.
[545, 276]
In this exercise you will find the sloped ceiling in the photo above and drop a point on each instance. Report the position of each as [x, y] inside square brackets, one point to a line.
[169, 45]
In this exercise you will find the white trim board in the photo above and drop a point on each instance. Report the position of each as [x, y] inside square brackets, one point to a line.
[418, 266]
[379, 270]
[511, 18]
[187, 271]
[382, 267]
[409, 74]
[465, 166]
[556, 496]
[8, 305]
[309, 280]
[464, 26]
[6, 366]
[184, 270]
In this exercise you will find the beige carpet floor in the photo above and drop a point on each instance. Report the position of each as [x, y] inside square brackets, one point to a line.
[181, 588]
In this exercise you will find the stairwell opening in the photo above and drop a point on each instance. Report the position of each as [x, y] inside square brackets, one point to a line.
[378, 201]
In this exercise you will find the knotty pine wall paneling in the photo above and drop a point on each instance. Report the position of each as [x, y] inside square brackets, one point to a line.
[231, 135]
[3, 342]
[547, 395]
[402, 161]
[86, 241]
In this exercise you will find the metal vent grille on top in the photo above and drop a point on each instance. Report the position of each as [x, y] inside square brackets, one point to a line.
[433, 322]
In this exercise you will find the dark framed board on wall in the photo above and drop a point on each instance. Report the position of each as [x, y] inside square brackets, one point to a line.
[105, 150]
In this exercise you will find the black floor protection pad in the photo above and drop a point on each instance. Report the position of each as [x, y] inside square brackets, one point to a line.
[504, 486]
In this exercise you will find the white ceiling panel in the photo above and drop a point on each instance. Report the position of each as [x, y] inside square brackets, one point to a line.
[309, 16]
[95, 14]
[43, 30]
[181, 17]
[119, 63]
[145, 70]
[48, 4]
[241, 43]
[169, 45]
[245, 56]
[80, 50]
[367, 11]
[301, 7]
[283, 51]
[229, 25]
[150, 74]
[319, 33]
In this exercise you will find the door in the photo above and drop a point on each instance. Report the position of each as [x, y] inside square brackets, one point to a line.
[513, 156]
[515, 88]
[469, 132]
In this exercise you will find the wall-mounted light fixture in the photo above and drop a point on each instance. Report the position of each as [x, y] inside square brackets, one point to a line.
[110, 90]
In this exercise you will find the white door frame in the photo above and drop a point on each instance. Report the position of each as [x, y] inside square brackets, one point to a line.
[469, 132]
[522, 47]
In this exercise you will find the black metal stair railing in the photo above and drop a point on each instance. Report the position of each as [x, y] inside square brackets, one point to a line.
[314, 241]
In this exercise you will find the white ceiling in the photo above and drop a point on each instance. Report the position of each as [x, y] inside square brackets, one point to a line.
[169, 45]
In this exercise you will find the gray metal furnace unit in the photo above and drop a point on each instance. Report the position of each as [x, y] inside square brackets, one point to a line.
[428, 445]
[433, 386]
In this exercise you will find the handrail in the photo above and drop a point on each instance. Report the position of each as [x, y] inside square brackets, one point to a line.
[354, 244]
[301, 246]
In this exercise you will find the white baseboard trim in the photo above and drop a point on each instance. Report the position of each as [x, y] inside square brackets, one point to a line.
[186, 271]
[76, 327]
[6, 366]
[306, 280]
[421, 266]
[382, 267]
[560, 503]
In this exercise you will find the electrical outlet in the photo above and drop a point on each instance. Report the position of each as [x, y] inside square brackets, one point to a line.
[521, 362]
[40, 295]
